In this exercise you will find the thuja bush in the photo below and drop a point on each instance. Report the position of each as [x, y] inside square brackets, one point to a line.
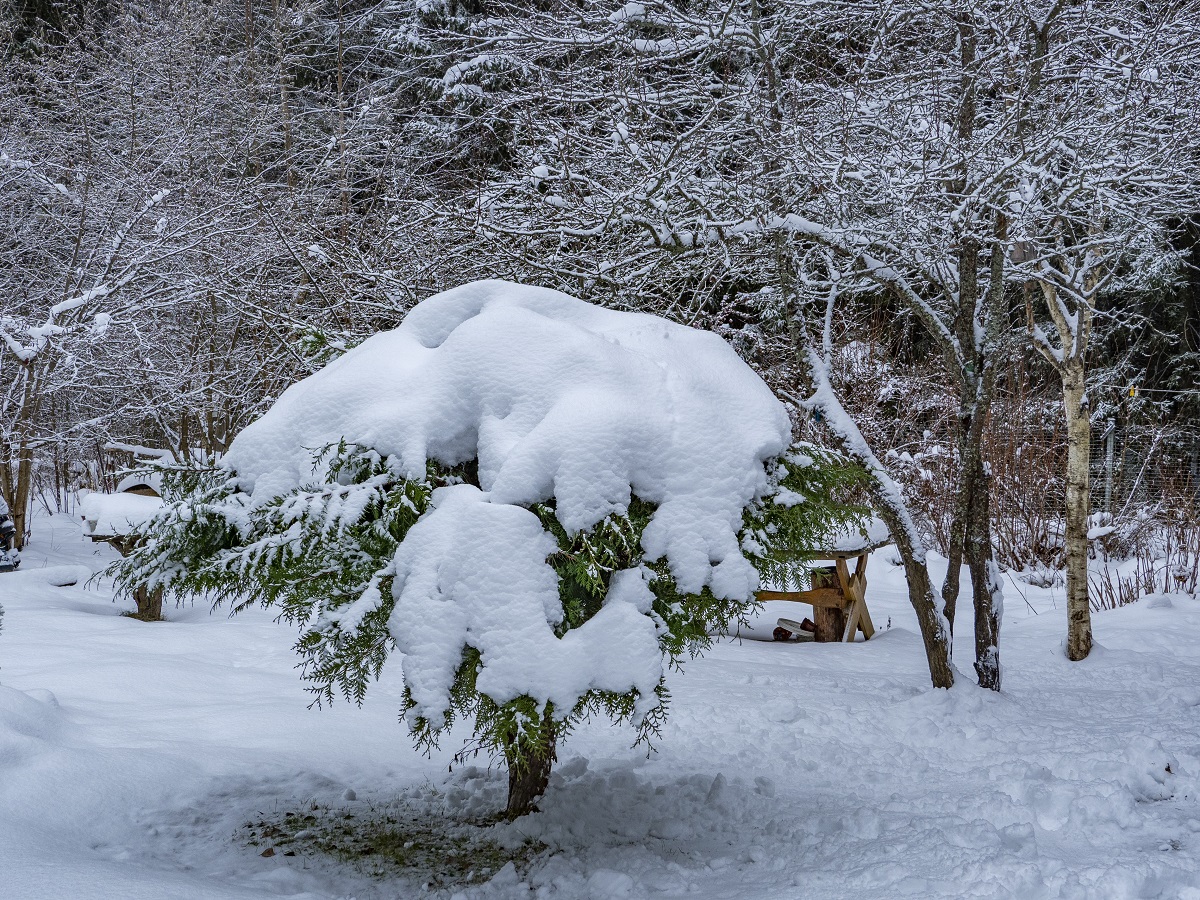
[324, 555]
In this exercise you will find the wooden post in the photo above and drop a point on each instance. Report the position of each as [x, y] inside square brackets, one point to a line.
[830, 622]
[855, 588]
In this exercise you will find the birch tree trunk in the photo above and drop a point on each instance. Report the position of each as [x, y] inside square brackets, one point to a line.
[1073, 324]
[1079, 434]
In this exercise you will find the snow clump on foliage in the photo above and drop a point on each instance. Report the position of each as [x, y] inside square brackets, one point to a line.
[561, 401]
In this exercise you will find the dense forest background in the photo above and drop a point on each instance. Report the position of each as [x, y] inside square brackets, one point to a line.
[205, 200]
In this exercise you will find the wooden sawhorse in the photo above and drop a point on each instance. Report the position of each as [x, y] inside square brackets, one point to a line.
[837, 596]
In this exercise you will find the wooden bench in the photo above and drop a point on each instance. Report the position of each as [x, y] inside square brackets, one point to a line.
[838, 595]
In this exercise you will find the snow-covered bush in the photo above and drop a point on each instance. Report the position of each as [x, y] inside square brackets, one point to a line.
[537, 501]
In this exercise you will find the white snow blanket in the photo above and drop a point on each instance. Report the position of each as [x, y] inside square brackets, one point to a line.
[557, 399]
[166, 739]
[116, 515]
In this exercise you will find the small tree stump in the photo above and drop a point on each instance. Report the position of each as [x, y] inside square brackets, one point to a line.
[829, 619]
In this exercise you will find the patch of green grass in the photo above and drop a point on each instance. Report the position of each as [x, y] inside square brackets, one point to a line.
[390, 841]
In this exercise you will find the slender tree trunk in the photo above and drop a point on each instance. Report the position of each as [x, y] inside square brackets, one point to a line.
[935, 630]
[954, 558]
[21, 496]
[965, 320]
[889, 504]
[971, 529]
[964, 498]
[1079, 436]
[972, 543]
[529, 760]
[885, 494]
[343, 176]
[986, 592]
[18, 484]
[284, 81]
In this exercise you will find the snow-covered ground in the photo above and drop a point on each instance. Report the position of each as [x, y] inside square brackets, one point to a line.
[132, 755]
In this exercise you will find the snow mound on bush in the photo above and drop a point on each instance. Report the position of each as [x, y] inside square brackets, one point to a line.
[557, 398]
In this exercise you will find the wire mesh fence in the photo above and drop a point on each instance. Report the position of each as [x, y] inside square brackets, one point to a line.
[1138, 465]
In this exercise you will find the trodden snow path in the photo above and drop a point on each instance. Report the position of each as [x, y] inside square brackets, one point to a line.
[131, 754]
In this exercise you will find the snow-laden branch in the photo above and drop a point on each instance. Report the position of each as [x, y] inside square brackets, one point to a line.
[856, 247]
[55, 189]
[834, 415]
[104, 285]
[139, 450]
[121, 233]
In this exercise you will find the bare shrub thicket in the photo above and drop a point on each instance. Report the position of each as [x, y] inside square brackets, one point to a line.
[1026, 451]
[1156, 550]
[900, 398]
[1148, 540]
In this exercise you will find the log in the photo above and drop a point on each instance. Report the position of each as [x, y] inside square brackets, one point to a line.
[831, 623]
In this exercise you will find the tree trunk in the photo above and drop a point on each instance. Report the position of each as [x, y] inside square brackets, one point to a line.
[149, 603]
[986, 592]
[1079, 436]
[19, 507]
[989, 609]
[529, 759]
[972, 539]
[971, 528]
[964, 501]
[889, 504]
[954, 561]
[935, 630]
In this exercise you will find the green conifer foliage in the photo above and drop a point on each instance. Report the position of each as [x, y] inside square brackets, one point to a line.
[323, 556]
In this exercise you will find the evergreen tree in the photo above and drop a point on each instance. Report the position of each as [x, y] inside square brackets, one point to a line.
[317, 552]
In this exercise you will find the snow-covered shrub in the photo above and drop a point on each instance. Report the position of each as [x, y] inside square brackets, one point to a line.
[538, 502]
[1161, 544]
